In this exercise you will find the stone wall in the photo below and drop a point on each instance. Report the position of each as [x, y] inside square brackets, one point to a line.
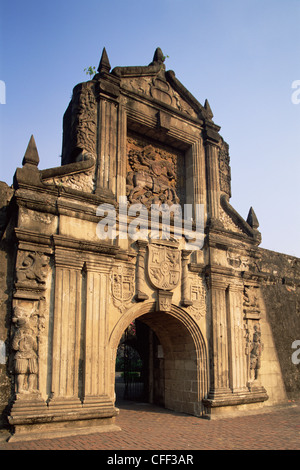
[6, 288]
[281, 294]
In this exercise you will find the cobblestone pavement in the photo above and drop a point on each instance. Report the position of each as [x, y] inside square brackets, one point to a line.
[146, 427]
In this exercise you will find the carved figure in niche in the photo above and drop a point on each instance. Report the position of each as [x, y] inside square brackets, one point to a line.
[151, 176]
[31, 267]
[25, 360]
[255, 354]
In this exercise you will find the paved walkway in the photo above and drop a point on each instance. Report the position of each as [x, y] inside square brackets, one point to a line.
[146, 427]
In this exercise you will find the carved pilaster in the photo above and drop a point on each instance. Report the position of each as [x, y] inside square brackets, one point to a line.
[96, 353]
[185, 290]
[237, 357]
[219, 328]
[140, 279]
[213, 183]
[121, 151]
[67, 320]
[196, 177]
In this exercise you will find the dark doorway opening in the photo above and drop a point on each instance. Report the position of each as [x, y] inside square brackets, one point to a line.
[139, 366]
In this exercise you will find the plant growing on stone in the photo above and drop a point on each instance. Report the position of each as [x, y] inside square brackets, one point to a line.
[90, 70]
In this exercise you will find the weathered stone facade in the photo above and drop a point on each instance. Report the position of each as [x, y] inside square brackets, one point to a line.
[225, 315]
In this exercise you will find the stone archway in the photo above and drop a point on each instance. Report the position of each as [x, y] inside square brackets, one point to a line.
[185, 368]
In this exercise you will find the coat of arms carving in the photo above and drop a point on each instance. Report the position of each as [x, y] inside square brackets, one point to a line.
[122, 286]
[164, 266]
[198, 298]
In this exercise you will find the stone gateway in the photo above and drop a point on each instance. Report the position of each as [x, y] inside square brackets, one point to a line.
[219, 318]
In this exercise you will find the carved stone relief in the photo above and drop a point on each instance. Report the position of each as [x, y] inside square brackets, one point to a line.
[224, 168]
[84, 181]
[154, 175]
[164, 301]
[31, 268]
[228, 223]
[85, 111]
[122, 286]
[254, 348]
[237, 260]
[251, 302]
[161, 90]
[198, 298]
[243, 262]
[164, 266]
[29, 326]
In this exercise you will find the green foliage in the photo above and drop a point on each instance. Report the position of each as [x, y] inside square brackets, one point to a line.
[90, 70]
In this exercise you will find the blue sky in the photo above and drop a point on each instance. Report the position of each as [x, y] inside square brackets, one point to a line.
[242, 55]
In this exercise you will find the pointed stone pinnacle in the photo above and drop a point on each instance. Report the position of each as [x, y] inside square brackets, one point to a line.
[158, 56]
[31, 156]
[252, 219]
[104, 65]
[208, 109]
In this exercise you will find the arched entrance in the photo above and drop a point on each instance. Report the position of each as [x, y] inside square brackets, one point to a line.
[132, 364]
[177, 361]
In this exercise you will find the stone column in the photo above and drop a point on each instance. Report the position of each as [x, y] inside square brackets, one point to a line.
[219, 379]
[237, 356]
[66, 351]
[97, 363]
